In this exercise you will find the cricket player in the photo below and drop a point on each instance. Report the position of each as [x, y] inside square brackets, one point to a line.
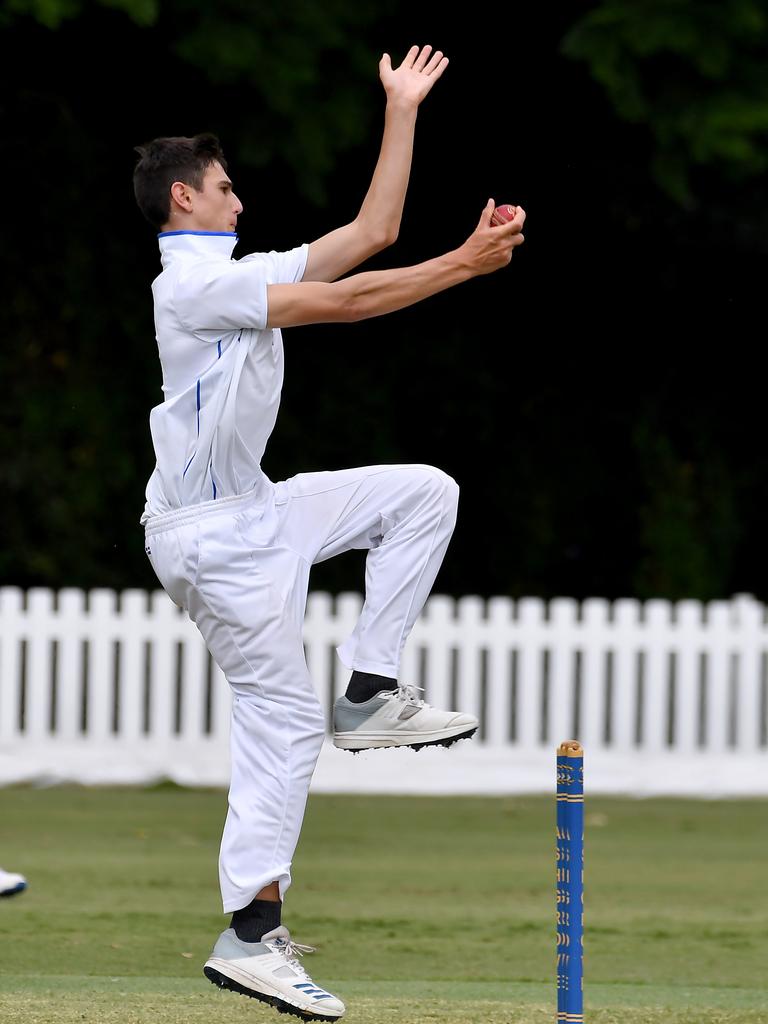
[235, 549]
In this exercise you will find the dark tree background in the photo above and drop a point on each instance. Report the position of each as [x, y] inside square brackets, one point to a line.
[600, 401]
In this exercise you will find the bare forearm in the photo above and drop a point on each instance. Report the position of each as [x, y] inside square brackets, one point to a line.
[383, 291]
[382, 208]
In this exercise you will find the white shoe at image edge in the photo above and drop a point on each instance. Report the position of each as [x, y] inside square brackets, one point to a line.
[11, 883]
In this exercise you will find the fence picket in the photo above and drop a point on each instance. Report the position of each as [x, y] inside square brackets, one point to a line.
[623, 644]
[719, 676]
[11, 623]
[72, 628]
[499, 675]
[595, 629]
[749, 618]
[530, 650]
[137, 624]
[686, 697]
[38, 691]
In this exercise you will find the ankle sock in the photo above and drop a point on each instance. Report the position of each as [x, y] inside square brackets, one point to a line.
[257, 919]
[364, 685]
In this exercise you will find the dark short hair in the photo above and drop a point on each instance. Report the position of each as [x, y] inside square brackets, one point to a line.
[164, 161]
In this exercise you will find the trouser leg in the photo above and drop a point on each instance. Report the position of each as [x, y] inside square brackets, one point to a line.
[404, 516]
[248, 607]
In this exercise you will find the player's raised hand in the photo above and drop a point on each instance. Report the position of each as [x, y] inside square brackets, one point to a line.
[491, 244]
[410, 83]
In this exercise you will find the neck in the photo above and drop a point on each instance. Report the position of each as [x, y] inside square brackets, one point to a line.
[187, 223]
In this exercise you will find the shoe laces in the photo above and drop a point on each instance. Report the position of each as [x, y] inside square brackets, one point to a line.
[406, 692]
[292, 951]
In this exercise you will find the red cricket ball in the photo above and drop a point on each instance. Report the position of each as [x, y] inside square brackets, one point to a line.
[502, 214]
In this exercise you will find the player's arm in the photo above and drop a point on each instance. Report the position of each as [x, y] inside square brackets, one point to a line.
[383, 291]
[378, 222]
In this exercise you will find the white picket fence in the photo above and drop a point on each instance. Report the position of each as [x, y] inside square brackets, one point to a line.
[103, 687]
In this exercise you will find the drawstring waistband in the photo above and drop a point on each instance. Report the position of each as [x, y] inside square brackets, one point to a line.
[191, 513]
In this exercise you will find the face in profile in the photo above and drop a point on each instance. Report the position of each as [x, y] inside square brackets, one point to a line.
[214, 208]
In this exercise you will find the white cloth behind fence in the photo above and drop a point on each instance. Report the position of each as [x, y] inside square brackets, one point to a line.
[666, 698]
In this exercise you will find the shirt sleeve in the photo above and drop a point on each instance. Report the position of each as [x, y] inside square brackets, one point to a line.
[222, 296]
[281, 267]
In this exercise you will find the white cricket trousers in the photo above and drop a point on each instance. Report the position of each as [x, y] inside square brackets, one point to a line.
[240, 566]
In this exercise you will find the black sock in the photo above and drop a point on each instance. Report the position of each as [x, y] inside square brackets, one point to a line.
[257, 919]
[364, 685]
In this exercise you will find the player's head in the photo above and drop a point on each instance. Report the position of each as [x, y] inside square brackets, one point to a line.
[181, 184]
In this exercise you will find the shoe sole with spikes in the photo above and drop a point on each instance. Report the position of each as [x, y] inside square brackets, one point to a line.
[276, 1001]
[355, 743]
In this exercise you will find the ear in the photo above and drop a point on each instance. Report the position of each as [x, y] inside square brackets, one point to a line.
[181, 195]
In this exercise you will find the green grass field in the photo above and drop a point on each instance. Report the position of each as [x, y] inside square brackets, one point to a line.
[423, 910]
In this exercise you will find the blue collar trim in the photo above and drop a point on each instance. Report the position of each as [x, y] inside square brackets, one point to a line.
[223, 234]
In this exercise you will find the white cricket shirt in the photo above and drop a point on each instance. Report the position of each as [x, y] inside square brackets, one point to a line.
[222, 368]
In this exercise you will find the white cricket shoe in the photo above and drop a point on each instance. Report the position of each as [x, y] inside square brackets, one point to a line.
[11, 883]
[270, 971]
[397, 718]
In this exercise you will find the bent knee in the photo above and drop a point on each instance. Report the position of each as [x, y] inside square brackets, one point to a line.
[439, 483]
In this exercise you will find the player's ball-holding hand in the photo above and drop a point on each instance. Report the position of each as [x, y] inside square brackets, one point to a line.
[486, 250]
[503, 214]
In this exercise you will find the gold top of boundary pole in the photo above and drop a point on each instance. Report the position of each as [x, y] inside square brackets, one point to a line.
[570, 748]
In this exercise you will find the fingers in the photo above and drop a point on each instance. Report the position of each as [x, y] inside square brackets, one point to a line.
[512, 227]
[437, 65]
[410, 57]
[502, 228]
[517, 237]
[419, 59]
[422, 59]
[485, 216]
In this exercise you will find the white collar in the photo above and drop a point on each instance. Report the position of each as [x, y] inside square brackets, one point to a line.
[196, 243]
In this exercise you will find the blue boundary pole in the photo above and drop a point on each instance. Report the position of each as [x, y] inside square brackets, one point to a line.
[570, 883]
